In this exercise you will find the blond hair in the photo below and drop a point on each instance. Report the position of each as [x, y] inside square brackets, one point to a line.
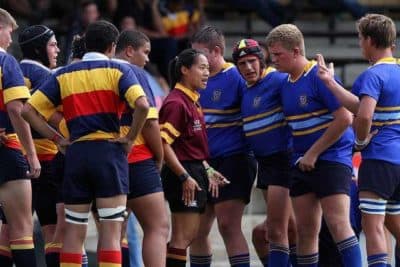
[288, 35]
[7, 20]
[380, 28]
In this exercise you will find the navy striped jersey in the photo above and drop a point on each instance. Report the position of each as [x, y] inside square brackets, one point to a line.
[35, 74]
[93, 94]
[12, 87]
[221, 101]
[263, 120]
[308, 106]
[382, 82]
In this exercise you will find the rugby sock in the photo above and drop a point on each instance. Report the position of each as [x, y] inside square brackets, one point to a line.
[70, 259]
[242, 260]
[126, 262]
[200, 261]
[264, 260]
[5, 256]
[85, 260]
[23, 251]
[278, 255]
[307, 260]
[176, 257]
[292, 256]
[350, 252]
[378, 260]
[52, 254]
[397, 256]
[110, 258]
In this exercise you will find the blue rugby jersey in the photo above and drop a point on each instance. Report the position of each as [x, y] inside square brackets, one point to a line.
[263, 120]
[12, 87]
[308, 106]
[221, 102]
[381, 82]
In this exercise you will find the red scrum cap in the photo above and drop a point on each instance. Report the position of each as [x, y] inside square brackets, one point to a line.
[246, 47]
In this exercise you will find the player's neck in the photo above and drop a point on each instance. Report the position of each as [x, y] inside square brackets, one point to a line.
[298, 69]
[379, 54]
[218, 67]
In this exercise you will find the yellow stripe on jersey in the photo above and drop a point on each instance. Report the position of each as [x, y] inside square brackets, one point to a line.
[45, 146]
[42, 104]
[166, 137]
[379, 123]
[4, 248]
[220, 111]
[312, 130]
[153, 113]
[387, 108]
[99, 135]
[100, 79]
[63, 128]
[64, 264]
[266, 129]
[27, 82]
[139, 139]
[171, 129]
[261, 115]
[133, 93]
[109, 264]
[17, 92]
[307, 115]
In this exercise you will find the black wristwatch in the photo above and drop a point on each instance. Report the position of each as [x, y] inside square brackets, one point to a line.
[183, 177]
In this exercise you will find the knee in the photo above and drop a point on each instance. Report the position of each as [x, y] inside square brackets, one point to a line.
[228, 227]
[277, 230]
[338, 225]
[259, 235]
[372, 226]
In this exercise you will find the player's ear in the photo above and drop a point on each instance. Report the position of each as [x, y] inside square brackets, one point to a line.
[296, 51]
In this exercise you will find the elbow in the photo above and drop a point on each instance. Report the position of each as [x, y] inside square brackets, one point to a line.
[142, 105]
[348, 119]
[25, 111]
[15, 108]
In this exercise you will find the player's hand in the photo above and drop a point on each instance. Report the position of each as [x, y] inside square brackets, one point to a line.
[325, 73]
[125, 142]
[189, 189]
[34, 166]
[368, 139]
[307, 162]
[62, 145]
[3, 136]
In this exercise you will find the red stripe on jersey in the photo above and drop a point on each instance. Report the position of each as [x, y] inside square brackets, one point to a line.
[139, 153]
[103, 101]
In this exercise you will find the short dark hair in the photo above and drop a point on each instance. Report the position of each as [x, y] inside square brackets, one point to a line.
[78, 47]
[380, 28]
[133, 38]
[210, 36]
[100, 35]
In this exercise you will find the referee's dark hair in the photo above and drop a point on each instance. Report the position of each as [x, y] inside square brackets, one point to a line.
[132, 38]
[186, 58]
[100, 35]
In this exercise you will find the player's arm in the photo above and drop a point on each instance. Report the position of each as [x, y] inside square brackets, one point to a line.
[40, 125]
[138, 118]
[345, 97]
[342, 120]
[363, 120]
[21, 127]
[151, 134]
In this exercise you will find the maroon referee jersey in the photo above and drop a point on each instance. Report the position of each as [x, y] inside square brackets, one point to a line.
[182, 124]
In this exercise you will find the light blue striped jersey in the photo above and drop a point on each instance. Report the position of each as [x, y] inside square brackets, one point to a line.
[263, 120]
[308, 106]
[382, 82]
[220, 102]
